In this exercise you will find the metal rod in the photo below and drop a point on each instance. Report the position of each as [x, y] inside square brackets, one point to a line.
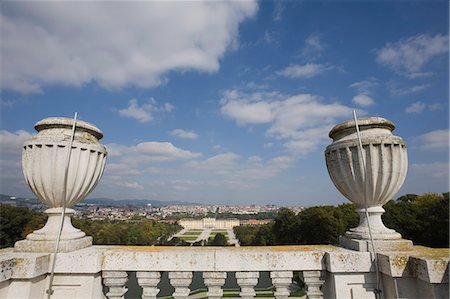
[63, 212]
[377, 291]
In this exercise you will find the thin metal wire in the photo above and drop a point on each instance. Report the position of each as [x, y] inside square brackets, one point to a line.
[377, 291]
[63, 213]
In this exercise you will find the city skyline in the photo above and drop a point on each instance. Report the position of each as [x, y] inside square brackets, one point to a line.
[226, 102]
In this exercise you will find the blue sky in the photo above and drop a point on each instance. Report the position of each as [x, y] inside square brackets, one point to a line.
[227, 102]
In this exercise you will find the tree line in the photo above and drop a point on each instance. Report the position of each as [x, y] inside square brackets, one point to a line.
[17, 222]
[424, 219]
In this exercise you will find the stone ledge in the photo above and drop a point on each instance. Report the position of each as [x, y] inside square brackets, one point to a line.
[427, 264]
[23, 265]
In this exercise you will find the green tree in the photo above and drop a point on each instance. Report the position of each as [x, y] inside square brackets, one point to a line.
[219, 240]
[246, 233]
[425, 220]
[264, 236]
[407, 198]
[17, 222]
[285, 227]
[319, 225]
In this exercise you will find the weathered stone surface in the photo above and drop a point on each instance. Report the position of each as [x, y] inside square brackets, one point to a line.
[342, 273]
[49, 246]
[381, 245]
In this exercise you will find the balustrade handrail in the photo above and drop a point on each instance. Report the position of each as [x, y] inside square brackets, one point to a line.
[319, 266]
[206, 258]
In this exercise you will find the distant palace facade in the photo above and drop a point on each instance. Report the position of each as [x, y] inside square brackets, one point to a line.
[209, 223]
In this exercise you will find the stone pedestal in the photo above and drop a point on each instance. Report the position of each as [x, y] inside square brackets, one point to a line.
[385, 239]
[44, 239]
[381, 245]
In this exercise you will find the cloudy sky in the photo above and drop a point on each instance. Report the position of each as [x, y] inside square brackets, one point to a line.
[226, 102]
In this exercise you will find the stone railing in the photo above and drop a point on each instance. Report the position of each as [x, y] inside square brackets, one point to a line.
[327, 271]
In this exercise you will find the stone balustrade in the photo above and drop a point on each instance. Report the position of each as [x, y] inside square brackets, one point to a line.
[327, 271]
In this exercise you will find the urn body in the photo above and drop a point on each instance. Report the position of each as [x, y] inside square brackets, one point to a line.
[44, 161]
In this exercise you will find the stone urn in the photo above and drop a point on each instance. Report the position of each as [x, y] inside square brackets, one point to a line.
[44, 166]
[386, 164]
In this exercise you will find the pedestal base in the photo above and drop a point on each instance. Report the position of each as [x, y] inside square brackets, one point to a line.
[381, 245]
[44, 239]
[49, 246]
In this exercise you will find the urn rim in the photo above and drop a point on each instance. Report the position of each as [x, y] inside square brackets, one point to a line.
[65, 122]
[363, 123]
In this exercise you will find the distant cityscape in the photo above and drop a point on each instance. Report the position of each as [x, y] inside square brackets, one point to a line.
[134, 210]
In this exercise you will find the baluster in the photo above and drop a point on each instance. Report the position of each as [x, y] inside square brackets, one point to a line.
[148, 281]
[214, 282]
[116, 281]
[313, 281]
[247, 281]
[281, 280]
[180, 281]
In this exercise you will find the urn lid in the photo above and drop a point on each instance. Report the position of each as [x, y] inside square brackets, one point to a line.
[349, 127]
[64, 122]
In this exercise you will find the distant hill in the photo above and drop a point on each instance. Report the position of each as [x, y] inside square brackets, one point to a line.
[104, 201]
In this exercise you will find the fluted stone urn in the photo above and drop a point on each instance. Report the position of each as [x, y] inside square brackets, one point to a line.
[44, 165]
[386, 164]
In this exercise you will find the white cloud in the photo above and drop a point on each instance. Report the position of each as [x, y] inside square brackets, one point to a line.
[6, 103]
[122, 169]
[419, 107]
[144, 113]
[436, 170]
[184, 134]
[163, 151]
[130, 185]
[437, 140]
[403, 91]
[416, 107]
[248, 112]
[114, 44]
[365, 89]
[220, 164]
[295, 118]
[308, 140]
[434, 107]
[116, 150]
[409, 56]
[12, 142]
[313, 47]
[365, 86]
[150, 151]
[237, 170]
[304, 71]
[278, 10]
[363, 100]
[168, 107]
[313, 41]
[120, 182]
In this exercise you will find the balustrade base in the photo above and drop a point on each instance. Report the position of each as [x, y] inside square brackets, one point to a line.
[49, 246]
[381, 245]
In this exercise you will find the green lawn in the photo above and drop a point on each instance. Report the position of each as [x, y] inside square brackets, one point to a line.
[188, 238]
[189, 233]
